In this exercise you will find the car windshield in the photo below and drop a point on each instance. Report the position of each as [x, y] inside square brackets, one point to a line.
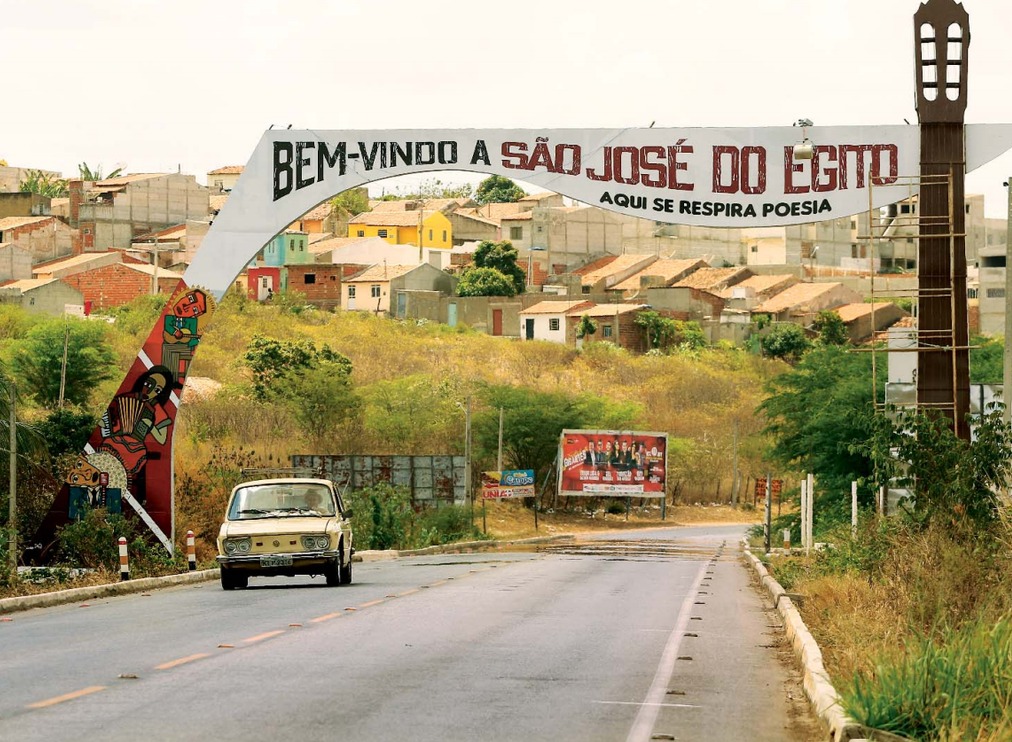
[281, 499]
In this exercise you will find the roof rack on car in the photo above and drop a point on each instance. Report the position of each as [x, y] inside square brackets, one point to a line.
[289, 471]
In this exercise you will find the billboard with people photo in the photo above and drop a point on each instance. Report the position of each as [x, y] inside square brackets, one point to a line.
[612, 463]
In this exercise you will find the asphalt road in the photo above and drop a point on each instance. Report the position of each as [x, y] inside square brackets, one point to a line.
[634, 636]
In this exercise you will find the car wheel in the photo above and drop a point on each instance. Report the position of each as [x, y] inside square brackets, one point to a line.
[332, 573]
[345, 572]
[231, 579]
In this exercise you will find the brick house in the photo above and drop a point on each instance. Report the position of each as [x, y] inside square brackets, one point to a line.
[319, 282]
[616, 323]
[108, 279]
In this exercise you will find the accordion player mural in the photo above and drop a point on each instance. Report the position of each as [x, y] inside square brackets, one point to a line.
[732, 177]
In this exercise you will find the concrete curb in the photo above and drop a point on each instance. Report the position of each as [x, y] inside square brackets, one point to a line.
[820, 690]
[61, 597]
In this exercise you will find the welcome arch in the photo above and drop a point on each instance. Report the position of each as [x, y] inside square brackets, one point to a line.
[736, 177]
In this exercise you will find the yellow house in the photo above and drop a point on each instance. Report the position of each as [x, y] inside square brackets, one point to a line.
[431, 228]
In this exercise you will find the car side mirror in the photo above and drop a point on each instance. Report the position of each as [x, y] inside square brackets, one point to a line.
[347, 513]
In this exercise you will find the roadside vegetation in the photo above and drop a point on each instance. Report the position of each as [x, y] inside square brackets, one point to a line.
[911, 611]
[274, 380]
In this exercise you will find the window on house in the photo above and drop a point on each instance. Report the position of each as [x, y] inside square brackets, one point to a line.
[309, 278]
[606, 331]
[351, 292]
[996, 293]
[540, 228]
[430, 235]
[516, 233]
[381, 233]
[444, 235]
[968, 208]
[361, 233]
[374, 291]
[585, 289]
[553, 324]
[333, 278]
[755, 248]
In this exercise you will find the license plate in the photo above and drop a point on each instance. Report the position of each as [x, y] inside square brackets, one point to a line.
[283, 560]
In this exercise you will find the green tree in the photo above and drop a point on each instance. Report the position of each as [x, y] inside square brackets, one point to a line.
[270, 360]
[434, 188]
[986, 359]
[831, 328]
[37, 360]
[410, 414]
[586, 327]
[87, 173]
[67, 431]
[501, 256]
[785, 340]
[44, 184]
[818, 415]
[955, 482]
[320, 396]
[485, 282]
[665, 333]
[533, 422]
[355, 201]
[496, 189]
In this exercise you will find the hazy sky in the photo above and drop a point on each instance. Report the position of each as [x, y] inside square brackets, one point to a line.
[161, 85]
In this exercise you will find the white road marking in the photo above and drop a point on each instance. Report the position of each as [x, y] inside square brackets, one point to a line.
[643, 724]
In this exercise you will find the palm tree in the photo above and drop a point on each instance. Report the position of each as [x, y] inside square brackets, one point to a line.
[88, 174]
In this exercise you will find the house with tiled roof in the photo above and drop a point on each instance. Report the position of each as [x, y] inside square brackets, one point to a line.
[430, 228]
[44, 237]
[223, 179]
[801, 302]
[864, 319]
[743, 296]
[661, 272]
[469, 227]
[377, 288]
[714, 280]
[546, 320]
[616, 323]
[611, 270]
[109, 279]
[41, 295]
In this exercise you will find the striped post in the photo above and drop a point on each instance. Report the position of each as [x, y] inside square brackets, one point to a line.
[124, 564]
[191, 551]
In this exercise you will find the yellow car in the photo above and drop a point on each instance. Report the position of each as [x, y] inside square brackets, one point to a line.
[286, 526]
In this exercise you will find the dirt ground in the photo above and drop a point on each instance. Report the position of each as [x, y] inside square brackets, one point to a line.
[510, 520]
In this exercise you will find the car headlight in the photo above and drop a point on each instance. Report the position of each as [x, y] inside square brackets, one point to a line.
[238, 546]
[312, 543]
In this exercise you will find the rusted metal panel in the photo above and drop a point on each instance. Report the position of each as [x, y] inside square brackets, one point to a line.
[429, 479]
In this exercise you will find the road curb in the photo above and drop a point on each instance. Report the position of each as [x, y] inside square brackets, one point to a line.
[60, 597]
[91, 592]
[820, 690]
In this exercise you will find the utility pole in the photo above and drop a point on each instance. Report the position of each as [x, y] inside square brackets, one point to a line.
[734, 475]
[1006, 390]
[12, 538]
[63, 367]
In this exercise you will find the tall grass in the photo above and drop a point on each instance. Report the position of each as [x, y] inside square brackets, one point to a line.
[954, 685]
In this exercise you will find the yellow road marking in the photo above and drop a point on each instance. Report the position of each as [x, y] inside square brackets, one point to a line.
[372, 603]
[66, 697]
[181, 661]
[261, 637]
[407, 592]
[327, 617]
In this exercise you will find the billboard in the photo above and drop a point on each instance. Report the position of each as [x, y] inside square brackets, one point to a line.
[507, 484]
[612, 463]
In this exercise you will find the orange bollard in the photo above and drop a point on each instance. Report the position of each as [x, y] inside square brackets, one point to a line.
[191, 551]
